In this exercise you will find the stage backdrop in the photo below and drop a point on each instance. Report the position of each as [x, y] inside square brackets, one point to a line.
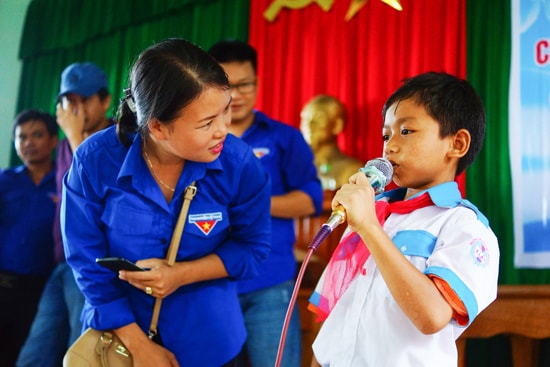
[361, 61]
[314, 49]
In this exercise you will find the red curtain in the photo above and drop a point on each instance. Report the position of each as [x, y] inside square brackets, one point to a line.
[308, 51]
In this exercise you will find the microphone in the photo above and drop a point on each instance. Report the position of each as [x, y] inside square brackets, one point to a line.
[379, 172]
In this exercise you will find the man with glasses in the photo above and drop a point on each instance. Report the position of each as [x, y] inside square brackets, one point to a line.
[295, 191]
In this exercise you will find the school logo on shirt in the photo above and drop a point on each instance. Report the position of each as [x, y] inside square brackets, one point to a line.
[479, 252]
[261, 152]
[205, 221]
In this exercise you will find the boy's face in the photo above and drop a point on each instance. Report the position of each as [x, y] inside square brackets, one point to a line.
[243, 92]
[33, 143]
[420, 157]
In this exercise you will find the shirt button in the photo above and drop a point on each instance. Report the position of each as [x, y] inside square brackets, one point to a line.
[403, 248]
[363, 271]
[164, 241]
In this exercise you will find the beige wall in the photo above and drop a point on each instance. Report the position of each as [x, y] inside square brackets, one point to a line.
[12, 15]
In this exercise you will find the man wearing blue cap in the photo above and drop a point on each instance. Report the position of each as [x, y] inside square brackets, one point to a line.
[83, 102]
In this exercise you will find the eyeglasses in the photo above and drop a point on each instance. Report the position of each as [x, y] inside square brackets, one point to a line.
[244, 88]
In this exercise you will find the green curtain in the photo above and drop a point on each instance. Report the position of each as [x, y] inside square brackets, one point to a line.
[111, 34]
[489, 182]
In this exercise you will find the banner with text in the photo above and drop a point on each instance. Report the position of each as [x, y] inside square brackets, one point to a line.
[529, 128]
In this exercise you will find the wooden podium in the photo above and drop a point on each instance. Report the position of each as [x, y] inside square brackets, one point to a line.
[521, 311]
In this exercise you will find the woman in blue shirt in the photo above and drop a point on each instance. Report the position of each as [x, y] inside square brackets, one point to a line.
[124, 192]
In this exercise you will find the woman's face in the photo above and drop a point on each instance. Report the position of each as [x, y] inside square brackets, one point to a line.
[200, 130]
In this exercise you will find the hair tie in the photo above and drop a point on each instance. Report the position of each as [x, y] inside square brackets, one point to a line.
[129, 99]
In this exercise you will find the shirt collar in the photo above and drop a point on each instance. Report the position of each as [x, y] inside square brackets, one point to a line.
[445, 195]
[134, 167]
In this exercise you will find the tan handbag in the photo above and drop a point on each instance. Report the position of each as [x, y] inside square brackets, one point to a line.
[96, 348]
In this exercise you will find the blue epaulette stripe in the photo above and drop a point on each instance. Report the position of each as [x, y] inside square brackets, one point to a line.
[415, 243]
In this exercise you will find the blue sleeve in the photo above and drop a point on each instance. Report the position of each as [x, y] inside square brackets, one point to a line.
[84, 241]
[249, 241]
[299, 168]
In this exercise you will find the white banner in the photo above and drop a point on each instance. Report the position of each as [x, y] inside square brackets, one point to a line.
[529, 120]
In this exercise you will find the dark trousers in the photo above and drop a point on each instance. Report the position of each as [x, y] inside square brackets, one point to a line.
[238, 361]
[19, 296]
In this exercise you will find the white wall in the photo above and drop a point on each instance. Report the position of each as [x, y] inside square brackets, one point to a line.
[12, 16]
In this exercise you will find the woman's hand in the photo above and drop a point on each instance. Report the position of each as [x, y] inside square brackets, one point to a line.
[145, 353]
[159, 281]
[164, 279]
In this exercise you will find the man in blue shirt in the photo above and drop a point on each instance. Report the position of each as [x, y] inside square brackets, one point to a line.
[83, 102]
[27, 207]
[295, 191]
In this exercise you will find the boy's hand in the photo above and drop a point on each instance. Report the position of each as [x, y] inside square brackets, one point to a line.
[357, 198]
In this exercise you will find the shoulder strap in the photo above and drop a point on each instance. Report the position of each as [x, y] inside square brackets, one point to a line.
[190, 192]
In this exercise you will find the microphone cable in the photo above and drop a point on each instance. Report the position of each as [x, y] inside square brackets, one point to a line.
[291, 306]
[321, 235]
[379, 172]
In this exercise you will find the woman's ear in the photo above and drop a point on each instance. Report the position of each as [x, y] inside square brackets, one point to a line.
[158, 130]
[460, 144]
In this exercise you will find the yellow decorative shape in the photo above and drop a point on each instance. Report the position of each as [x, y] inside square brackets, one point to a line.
[394, 4]
[273, 10]
[354, 7]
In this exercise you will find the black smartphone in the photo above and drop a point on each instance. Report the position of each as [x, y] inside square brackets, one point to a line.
[118, 263]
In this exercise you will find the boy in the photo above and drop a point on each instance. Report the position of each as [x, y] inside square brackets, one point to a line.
[432, 262]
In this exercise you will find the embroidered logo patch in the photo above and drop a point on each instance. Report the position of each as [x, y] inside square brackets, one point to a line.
[261, 152]
[206, 221]
[479, 252]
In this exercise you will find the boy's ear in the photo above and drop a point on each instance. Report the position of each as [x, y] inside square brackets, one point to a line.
[460, 144]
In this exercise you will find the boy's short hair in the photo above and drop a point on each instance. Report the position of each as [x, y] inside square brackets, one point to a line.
[452, 102]
[230, 50]
[36, 115]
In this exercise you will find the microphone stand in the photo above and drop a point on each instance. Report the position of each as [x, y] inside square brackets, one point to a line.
[337, 217]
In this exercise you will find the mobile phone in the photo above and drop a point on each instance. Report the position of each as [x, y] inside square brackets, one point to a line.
[118, 263]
